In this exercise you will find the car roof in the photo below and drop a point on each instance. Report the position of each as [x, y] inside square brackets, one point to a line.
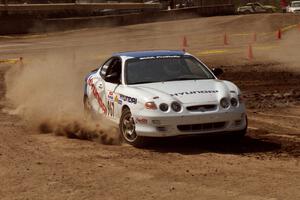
[141, 54]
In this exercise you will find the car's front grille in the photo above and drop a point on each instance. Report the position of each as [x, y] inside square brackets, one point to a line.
[202, 108]
[201, 127]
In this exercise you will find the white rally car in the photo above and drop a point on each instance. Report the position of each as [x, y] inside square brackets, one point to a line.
[163, 93]
[294, 7]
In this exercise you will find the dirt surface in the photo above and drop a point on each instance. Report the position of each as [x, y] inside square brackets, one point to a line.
[48, 86]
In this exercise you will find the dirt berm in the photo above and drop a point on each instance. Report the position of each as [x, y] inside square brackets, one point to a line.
[30, 23]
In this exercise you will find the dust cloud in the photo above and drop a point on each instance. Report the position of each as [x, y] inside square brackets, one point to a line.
[288, 50]
[47, 91]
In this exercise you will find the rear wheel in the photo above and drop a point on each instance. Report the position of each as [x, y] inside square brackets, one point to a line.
[127, 130]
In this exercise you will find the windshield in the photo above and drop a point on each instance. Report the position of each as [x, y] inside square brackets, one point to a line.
[164, 68]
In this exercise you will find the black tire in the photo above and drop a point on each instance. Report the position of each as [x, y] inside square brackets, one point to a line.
[127, 130]
[240, 134]
[270, 11]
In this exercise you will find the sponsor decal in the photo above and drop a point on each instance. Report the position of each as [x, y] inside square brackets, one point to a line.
[167, 57]
[96, 95]
[141, 120]
[114, 98]
[110, 108]
[110, 96]
[147, 58]
[100, 86]
[128, 99]
[195, 92]
[118, 100]
[157, 57]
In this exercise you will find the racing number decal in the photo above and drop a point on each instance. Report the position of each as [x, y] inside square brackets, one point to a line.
[110, 104]
[96, 95]
[110, 108]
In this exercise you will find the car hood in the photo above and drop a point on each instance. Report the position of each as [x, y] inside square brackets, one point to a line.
[191, 91]
[244, 7]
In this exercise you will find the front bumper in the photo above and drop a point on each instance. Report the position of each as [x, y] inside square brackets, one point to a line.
[191, 123]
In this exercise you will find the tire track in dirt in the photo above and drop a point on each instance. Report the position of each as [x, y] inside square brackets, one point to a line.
[268, 91]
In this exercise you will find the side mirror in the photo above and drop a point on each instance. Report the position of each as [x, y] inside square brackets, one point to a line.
[113, 77]
[217, 71]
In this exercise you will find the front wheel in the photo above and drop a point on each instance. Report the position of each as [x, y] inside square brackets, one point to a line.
[241, 133]
[127, 130]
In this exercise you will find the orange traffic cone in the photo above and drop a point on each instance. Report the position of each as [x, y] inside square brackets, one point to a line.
[184, 43]
[278, 34]
[250, 52]
[21, 63]
[225, 39]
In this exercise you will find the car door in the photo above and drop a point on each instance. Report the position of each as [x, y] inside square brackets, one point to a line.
[96, 88]
[111, 79]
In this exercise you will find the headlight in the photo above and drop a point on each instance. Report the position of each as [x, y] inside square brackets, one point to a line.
[163, 107]
[150, 105]
[224, 103]
[234, 102]
[176, 106]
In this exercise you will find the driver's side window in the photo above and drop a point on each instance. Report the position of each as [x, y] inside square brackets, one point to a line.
[111, 70]
[104, 68]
